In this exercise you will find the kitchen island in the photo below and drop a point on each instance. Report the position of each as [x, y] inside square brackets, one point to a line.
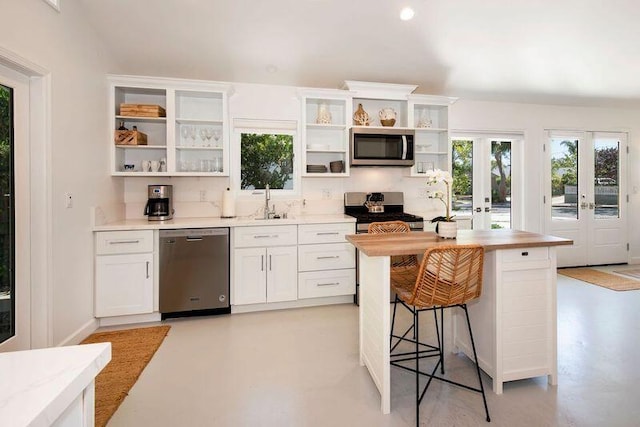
[514, 321]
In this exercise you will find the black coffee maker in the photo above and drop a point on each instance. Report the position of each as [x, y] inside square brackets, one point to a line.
[160, 204]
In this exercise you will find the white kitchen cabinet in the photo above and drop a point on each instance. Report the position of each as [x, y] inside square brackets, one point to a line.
[124, 266]
[192, 139]
[265, 261]
[325, 141]
[514, 320]
[326, 262]
[429, 116]
[265, 275]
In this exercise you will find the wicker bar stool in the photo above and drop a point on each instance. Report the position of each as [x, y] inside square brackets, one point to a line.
[449, 276]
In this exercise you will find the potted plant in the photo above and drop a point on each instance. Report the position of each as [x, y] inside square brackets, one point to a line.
[446, 226]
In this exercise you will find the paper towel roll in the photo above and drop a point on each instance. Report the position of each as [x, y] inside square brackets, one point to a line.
[228, 204]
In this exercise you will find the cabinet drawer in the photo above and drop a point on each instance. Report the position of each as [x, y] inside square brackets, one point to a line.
[329, 256]
[271, 235]
[124, 242]
[324, 233]
[316, 284]
[525, 254]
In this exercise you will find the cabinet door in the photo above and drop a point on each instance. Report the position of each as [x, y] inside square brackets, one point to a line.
[250, 279]
[282, 272]
[124, 284]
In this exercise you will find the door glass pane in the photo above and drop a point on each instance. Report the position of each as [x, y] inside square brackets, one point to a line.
[7, 288]
[564, 178]
[500, 184]
[606, 178]
[462, 170]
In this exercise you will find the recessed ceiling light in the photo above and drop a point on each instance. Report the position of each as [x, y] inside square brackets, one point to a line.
[406, 14]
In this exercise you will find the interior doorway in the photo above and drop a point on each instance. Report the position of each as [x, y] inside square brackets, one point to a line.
[586, 196]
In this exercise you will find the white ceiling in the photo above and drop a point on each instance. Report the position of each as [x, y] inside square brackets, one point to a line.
[568, 52]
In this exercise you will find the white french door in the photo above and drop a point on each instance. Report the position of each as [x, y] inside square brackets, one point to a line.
[15, 284]
[485, 180]
[585, 198]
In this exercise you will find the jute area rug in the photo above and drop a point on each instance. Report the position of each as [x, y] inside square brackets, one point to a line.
[131, 350]
[600, 278]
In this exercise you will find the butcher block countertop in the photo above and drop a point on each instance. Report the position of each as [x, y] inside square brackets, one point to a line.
[417, 243]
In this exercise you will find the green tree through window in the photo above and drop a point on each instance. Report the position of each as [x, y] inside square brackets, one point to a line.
[266, 159]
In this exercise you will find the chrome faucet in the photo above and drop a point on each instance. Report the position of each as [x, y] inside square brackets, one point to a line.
[267, 197]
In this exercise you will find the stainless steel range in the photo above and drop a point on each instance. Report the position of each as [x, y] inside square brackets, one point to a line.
[378, 207]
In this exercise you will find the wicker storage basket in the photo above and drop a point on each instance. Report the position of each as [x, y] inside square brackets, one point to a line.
[130, 137]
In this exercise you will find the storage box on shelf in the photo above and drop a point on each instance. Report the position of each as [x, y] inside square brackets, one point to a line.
[326, 262]
[325, 121]
[191, 140]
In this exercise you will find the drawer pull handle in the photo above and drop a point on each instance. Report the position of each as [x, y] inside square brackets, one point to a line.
[525, 253]
[329, 284]
[328, 257]
[120, 242]
[264, 236]
[333, 233]
[147, 269]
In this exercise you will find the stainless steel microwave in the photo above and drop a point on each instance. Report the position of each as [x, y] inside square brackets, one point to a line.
[381, 146]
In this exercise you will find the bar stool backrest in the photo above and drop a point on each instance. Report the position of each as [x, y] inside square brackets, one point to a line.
[397, 261]
[449, 275]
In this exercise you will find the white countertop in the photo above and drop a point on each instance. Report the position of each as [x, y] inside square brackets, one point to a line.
[144, 224]
[38, 385]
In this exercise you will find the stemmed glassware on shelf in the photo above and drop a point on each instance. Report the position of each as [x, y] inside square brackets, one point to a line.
[192, 135]
[203, 135]
[216, 136]
[209, 134]
[184, 132]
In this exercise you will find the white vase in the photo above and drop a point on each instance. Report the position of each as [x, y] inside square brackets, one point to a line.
[447, 230]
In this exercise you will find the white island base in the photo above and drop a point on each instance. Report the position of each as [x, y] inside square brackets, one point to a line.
[514, 321]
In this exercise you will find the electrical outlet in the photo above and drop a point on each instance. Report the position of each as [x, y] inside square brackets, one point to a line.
[203, 195]
[326, 194]
[68, 200]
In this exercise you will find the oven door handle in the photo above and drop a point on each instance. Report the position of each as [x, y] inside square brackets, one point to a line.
[404, 147]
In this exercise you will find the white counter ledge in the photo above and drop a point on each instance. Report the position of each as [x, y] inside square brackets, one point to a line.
[51, 386]
[206, 222]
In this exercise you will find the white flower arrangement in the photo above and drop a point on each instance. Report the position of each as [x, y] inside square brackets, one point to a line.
[437, 176]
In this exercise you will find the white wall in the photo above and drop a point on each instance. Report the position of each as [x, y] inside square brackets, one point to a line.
[65, 45]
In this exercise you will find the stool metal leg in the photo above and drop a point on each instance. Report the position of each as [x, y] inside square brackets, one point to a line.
[393, 320]
[416, 329]
[475, 358]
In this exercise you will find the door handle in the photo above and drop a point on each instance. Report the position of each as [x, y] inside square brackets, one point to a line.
[583, 205]
[592, 205]
[478, 209]
[487, 209]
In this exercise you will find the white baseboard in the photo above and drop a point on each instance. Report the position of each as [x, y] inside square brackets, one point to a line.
[127, 320]
[80, 334]
[308, 302]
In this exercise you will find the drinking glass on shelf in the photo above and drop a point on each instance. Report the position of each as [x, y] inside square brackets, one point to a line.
[203, 135]
[216, 136]
[184, 132]
[217, 164]
[209, 134]
[192, 135]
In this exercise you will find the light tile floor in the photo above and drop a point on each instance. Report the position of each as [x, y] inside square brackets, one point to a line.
[300, 368]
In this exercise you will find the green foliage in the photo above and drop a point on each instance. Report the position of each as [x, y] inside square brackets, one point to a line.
[501, 185]
[266, 159]
[6, 159]
[496, 226]
[462, 167]
[564, 170]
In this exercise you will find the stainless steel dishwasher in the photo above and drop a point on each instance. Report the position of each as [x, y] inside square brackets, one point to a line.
[194, 272]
